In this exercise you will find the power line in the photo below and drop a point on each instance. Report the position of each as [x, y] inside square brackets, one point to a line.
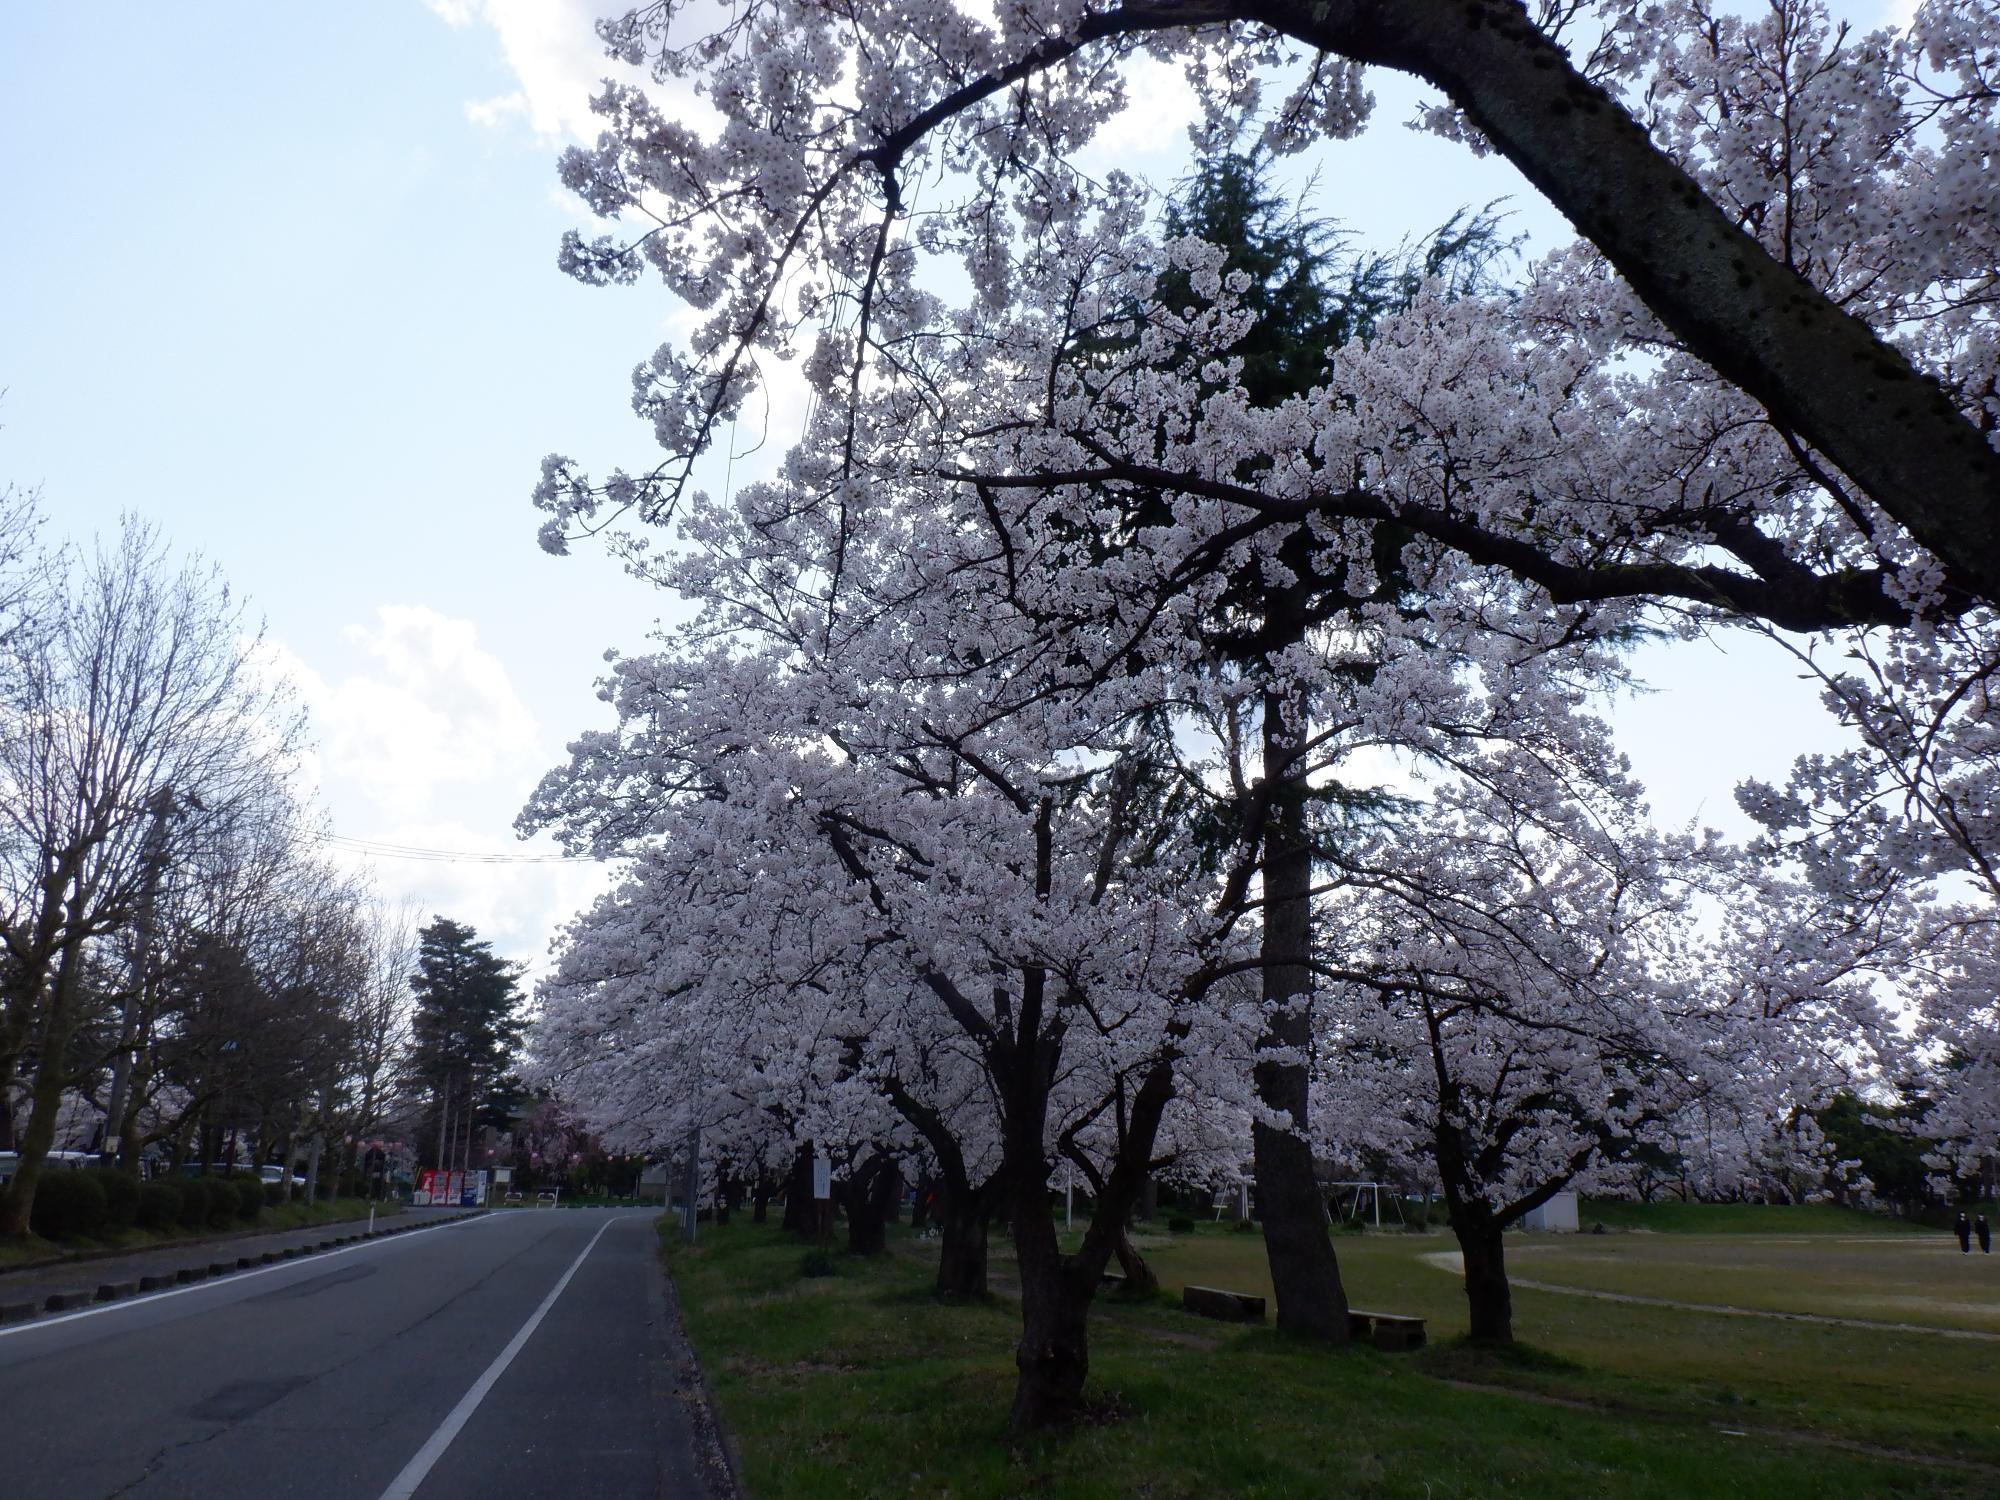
[378, 849]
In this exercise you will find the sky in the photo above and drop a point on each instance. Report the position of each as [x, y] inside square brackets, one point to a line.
[280, 280]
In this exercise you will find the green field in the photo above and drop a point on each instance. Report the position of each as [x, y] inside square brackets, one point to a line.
[1741, 1218]
[858, 1384]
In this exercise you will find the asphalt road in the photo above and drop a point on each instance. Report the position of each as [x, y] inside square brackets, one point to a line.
[525, 1354]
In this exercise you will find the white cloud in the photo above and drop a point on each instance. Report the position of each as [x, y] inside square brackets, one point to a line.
[552, 49]
[434, 709]
[515, 906]
[496, 111]
[1160, 106]
[424, 744]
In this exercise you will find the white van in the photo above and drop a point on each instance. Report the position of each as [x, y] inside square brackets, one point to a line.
[10, 1162]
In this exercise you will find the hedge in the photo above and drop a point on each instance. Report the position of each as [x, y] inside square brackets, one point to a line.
[159, 1205]
[198, 1201]
[121, 1197]
[67, 1203]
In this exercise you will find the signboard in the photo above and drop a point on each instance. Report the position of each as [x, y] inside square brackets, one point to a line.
[503, 1176]
[427, 1187]
[822, 1177]
[473, 1193]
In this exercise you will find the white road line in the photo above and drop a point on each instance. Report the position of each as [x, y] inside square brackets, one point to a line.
[405, 1484]
[233, 1277]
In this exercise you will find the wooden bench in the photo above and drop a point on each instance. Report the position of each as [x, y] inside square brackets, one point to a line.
[1393, 1332]
[1212, 1302]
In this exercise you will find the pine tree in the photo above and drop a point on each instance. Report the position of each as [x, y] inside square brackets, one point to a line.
[1311, 295]
[464, 1034]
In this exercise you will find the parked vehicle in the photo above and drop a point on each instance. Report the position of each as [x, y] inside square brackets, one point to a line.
[10, 1162]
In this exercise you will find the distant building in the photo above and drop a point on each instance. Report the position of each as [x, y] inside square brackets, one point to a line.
[1557, 1216]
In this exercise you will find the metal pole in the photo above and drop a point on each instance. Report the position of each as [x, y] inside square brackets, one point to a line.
[444, 1125]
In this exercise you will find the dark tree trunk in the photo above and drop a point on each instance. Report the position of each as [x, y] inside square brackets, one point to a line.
[1305, 1274]
[871, 1193]
[1474, 1223]
[1149, 1199]
[760, 1198]
[17, 1199]
[1139, 1276]
[1488, 1299]
[889, 1191]
[726, 1194]
[961, 1272]
[799, 1216]
[1053, 1355]
[920, 1206]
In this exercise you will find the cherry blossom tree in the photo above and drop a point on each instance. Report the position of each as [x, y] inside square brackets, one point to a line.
[1786, 251]
[952, 800]
[1909, 811]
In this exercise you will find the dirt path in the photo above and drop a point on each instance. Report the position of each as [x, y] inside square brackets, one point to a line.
[1448, 1260]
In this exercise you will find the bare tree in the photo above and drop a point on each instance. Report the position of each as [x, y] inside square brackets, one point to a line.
[135, 689]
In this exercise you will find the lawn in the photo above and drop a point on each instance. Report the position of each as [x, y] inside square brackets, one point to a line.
[858, 1384]
[1741, 1218]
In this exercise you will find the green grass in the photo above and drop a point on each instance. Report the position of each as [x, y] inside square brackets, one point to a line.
[1741, 1218]
[858, 1384]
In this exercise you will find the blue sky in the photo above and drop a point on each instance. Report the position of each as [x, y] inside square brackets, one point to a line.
[281, 279]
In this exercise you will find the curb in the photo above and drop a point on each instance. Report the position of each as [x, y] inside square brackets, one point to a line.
[186, 1242]
[721, 1464]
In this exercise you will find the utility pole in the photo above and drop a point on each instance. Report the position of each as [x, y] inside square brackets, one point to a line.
[152, 859]
[444, 1124]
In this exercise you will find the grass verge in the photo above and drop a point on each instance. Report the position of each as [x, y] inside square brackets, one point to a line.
[34, 1250]
[858, 1384]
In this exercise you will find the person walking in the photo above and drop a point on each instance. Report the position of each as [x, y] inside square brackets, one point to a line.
[1985, 1232]
[1962, 1227]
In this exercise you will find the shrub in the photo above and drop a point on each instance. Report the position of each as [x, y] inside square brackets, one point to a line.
[121, 1196]
[1181, 1224]
[159, 1205]
[1244, 1226]
[68, 1203]
[222, 1201]
[274, 1194]
[197, 1201]
[249, 1198]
